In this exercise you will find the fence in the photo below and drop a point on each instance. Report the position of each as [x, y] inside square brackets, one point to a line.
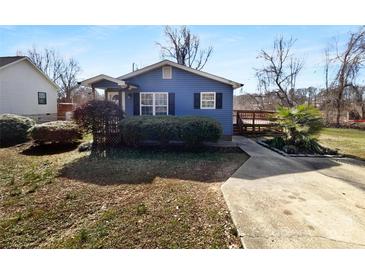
[63, 108]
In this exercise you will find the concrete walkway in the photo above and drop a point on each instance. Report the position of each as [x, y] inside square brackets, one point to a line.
[284, 202]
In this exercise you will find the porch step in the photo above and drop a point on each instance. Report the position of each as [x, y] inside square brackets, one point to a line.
[236, 130]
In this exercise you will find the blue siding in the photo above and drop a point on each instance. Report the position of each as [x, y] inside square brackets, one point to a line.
[129, 103]
[184, 84]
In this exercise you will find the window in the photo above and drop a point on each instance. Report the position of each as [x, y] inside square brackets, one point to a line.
[42, 98]
[207, 100]
[146, 103]
[154, 103]
[166, 72]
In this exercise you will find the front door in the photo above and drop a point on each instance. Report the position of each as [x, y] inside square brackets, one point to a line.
[116, 97]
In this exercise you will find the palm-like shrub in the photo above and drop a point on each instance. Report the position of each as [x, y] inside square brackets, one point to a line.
[299, 124]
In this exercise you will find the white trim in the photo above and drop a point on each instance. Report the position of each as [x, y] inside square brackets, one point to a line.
[34, 66]
[167, 75]
[123, 101]
[173, 64]
[100, 77]
[153, 102]
[201, 99]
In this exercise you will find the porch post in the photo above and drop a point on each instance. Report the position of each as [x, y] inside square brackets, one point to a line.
[120, 100]
[106, 94]
[93, 92]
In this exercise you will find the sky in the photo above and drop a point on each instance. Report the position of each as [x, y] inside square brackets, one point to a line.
[111, 50]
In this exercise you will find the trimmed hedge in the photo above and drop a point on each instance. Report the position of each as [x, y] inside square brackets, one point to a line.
[14, 129]
[195, 129]
[63, 132]
[192, 130]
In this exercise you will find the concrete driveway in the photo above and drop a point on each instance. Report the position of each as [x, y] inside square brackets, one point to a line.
[286, 202]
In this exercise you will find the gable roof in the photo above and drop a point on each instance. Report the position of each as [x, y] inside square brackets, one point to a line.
[182, 67]
[12, 60]
[100, 77]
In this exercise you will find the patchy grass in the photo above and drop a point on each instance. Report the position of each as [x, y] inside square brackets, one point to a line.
[121, 199]
[347, 141]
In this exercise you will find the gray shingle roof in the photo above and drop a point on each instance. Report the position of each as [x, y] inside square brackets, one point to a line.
[9, 59]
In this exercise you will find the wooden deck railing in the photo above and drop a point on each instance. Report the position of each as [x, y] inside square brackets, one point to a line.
[255, 121]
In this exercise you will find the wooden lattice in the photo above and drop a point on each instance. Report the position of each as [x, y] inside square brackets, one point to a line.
[107, 131]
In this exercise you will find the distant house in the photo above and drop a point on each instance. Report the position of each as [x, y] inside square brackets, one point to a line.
[168, 88]
[26, 90]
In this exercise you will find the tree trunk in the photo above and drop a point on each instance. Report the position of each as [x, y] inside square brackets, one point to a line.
[338, 116]
[68, 96]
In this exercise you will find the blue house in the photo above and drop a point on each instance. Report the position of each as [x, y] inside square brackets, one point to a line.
[168, 88]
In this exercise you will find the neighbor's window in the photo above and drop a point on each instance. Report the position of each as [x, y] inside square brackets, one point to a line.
[154, 103]
[166, 72]
[207, 100]
[42, 98]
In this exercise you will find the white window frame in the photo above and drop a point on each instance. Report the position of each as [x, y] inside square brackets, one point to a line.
[154, 102]
[201, 99]
[167, 75]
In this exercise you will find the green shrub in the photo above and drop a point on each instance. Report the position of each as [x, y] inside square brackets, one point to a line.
[14, 129]
[299, 122]
[300, 125]
[305, 144]
[193, 130]
[64, 132]
[277, 142]
[138, 129]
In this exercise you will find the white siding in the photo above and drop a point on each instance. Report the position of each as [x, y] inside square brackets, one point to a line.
[19, 87]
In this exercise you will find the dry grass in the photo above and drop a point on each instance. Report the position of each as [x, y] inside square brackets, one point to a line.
[347, 141]
[129, 199]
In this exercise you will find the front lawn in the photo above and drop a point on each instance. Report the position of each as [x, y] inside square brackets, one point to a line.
[60, 198]
[347, 141]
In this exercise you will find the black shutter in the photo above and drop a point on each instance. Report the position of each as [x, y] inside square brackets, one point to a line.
[135, 103]
[218, 100]
[171, 103]
[197, 100]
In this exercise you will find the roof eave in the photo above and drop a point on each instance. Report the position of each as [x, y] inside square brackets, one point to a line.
[34, 66]
[41, 72]
[97, 78]
[168, 62]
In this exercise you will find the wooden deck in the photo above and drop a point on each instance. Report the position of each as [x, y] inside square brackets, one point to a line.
[254, 122]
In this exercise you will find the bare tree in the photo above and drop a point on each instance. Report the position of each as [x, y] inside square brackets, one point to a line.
[68, 77]
[60, 70]
[347, 64]
[280, 71]
[184, 47]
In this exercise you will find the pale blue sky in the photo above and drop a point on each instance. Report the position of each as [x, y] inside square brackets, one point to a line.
[112, 49]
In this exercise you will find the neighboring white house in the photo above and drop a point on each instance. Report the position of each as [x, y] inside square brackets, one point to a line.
[26, 90]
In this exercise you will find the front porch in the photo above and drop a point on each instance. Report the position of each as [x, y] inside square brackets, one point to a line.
[113, 89]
